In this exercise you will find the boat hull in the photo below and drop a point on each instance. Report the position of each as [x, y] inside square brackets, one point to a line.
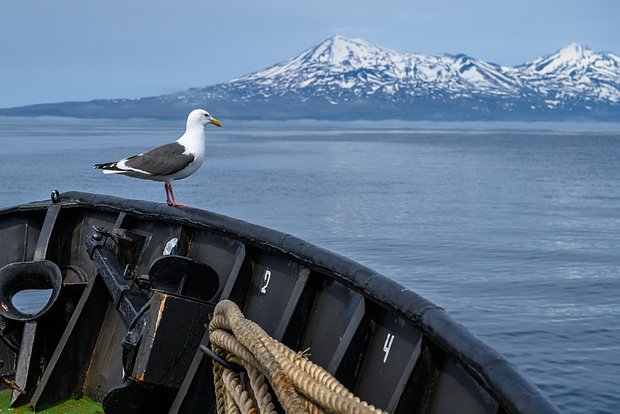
[120, 262]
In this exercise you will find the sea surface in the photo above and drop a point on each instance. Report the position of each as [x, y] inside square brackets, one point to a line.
[514, 230]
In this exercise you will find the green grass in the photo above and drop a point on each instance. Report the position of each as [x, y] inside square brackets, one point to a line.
[83, 405]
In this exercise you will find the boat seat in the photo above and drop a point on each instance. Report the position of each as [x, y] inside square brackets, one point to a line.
[184, 276]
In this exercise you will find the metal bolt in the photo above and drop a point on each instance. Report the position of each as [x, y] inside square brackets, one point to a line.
[55, 196]
[97, 236]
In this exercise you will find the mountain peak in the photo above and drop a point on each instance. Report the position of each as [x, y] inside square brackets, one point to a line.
[339, 50]
[573, 51]
[566, 59]
[339, 40]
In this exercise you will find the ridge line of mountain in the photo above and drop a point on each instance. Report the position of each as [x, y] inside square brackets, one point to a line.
[347, 79]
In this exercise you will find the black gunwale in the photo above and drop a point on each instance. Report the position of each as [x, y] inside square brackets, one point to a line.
[497, 375]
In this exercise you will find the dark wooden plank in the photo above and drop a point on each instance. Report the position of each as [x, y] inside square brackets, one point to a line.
[65, 373]
[270, 285]
[456, 391]
[347, 337]
[393, 347]
[298, 289]
[197, 391]
[106, 366]
[26, 363]
[171, 338]
[120, 219]
[234, 273]
[402, 382]
[40, 252]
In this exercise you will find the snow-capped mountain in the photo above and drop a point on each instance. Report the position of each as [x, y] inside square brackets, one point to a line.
[339, 67]
[344, 78]
[574, 72]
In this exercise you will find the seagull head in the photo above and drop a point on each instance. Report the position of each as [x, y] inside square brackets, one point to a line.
[202, 118]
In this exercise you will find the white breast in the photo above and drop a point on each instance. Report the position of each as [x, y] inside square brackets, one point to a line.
[194, 142]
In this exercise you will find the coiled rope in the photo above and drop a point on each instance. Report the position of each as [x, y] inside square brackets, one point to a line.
[300, 385]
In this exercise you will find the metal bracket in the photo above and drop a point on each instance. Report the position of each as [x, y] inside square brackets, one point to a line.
[98, 239]
[131, 341]
[113, 275]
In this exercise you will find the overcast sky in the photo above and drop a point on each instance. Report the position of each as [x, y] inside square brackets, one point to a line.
[61, 50]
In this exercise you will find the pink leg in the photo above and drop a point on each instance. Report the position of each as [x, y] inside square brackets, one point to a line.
[168, 201]
[174, 202]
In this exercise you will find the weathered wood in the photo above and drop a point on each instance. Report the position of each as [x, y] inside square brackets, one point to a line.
[287, 315]
[65, 373]
[106, 366]
[26, 364]
[175, 326]
[197, 391]
[234, 273]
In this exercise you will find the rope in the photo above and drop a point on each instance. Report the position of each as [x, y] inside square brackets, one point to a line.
[300, 386]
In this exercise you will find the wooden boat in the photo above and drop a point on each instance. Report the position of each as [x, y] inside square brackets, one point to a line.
[133, 284]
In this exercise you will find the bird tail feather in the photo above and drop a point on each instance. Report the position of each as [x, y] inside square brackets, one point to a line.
[109, 168]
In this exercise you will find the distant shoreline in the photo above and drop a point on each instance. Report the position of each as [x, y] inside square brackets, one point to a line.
[365, 124]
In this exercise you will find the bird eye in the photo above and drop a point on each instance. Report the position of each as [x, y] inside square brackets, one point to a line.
[206, 115]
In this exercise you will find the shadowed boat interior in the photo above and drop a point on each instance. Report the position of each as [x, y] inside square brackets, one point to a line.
[139, 280]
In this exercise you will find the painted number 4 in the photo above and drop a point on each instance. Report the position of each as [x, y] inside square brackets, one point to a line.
[266, 279]
[387, 346]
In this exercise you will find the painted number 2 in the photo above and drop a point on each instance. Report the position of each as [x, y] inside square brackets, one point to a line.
[387, 346]
[266, 279]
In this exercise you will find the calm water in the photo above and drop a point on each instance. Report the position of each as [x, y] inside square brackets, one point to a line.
[515, 232]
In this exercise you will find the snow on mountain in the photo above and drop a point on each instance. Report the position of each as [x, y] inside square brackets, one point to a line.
[352, 79]
[340, 70]
[339, 67]
[574, 72]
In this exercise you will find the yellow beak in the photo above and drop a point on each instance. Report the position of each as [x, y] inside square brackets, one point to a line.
[216, 122]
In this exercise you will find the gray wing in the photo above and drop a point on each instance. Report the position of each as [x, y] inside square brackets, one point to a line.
[164, 160]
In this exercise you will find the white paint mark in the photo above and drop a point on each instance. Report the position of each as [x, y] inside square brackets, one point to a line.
[266, 279]
[387, 346]
[172, 243]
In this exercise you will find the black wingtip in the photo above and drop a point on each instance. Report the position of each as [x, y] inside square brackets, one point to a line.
[106, 165]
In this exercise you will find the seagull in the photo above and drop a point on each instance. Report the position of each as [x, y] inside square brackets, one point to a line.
[169, 162]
